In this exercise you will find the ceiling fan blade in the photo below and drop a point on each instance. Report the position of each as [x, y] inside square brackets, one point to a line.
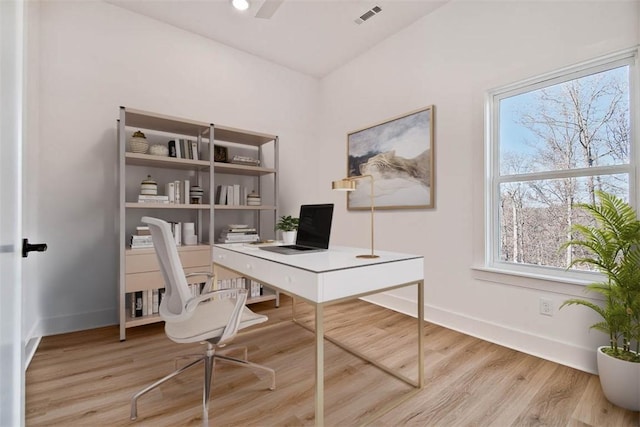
[268, 8]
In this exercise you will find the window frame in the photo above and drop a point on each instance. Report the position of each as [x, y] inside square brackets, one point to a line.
[493, 179]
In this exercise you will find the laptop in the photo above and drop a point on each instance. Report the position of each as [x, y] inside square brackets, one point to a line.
[314, 229]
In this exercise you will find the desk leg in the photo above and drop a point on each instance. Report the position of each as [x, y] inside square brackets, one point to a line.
[319, 365]
[420, 285]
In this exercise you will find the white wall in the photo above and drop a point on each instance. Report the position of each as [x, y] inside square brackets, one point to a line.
[450, 59]
[94, 57]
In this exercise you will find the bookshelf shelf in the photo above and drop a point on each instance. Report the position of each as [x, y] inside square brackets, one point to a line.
[246, 208]
[230, 168]
[144, 320]
[136, 205]
[261, 298]
[166, 162]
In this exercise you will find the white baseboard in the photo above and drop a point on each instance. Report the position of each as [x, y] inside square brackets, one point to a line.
[30, 350]
[77, 322]
[563, 353]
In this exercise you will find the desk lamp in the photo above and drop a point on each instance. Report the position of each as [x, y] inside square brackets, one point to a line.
[349, 184]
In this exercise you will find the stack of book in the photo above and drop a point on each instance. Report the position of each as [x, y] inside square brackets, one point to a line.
[244, 160]
[176, 230]
[147, 198]
[178, 192]
[238, 233]
[231, 195]
[254, 289]
[145, 303]
[183, 149]
[142, 238]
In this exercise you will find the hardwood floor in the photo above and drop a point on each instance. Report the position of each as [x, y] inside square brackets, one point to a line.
[87, 378]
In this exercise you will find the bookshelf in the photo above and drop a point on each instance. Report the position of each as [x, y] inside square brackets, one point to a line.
[139, 273]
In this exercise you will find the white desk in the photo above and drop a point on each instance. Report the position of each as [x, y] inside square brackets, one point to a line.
[323, 278]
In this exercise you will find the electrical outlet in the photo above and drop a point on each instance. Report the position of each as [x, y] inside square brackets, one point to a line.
[546, 307]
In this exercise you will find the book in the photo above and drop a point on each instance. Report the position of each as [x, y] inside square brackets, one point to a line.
[239, 230]
[244, 160]
[229, 195]
[239, 237]
[132, 304]
[222, 196]
[236, 194]
[177, 192]
[189, 149]
[186, 198]
[170, 191]
[138, 304]
[141, 241]
[194, 150]
[143, 230]
[155, 301]
[152, 197]
[242, 238]
[149, 302]
[143, 198]
[177, 232]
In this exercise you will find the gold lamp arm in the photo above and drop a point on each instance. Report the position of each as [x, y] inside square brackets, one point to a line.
[348, 184]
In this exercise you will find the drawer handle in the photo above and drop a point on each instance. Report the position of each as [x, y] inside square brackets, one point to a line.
[288, 279]
[249, 267]
[221, 256]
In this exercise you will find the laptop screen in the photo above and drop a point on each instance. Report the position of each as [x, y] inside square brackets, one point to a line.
[314, 227]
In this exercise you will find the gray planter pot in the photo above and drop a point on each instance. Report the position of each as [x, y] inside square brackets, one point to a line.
[620, 381]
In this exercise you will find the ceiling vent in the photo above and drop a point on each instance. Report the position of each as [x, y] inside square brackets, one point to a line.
[368, 14]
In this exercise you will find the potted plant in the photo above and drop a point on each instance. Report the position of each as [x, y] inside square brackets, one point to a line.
[612, 247]
[289, 227]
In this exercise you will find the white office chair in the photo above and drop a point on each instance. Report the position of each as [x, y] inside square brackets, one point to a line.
[213, 317]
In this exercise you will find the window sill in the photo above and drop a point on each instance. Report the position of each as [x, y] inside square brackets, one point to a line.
[570, 285]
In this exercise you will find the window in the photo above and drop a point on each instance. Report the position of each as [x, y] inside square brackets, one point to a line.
[552, 142]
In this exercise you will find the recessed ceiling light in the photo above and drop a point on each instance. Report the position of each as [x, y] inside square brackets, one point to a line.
[240, 4]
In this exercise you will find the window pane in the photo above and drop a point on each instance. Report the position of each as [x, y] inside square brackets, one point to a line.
[576, 124]
[536, 216]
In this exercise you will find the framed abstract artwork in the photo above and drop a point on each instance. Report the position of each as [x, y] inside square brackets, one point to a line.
[398, 154]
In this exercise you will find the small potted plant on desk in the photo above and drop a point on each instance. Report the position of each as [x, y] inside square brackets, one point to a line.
[612, 247]
[289, 227]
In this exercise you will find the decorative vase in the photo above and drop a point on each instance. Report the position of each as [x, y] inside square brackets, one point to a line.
[149, 187]
[289, 237]
[138, 143]
[620, 380]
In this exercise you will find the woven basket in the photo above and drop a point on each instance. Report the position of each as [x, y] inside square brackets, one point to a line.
[138, 144]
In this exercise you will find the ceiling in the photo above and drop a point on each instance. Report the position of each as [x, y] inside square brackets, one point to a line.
[310, 36]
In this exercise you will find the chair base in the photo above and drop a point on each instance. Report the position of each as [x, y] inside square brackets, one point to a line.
[208, 358]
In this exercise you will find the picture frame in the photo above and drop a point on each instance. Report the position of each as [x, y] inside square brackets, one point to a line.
[220, 154]
[398, 154]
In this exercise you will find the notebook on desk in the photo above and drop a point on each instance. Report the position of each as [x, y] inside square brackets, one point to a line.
[314, 229]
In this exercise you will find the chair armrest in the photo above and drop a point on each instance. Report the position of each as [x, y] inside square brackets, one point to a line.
[193, 302]
[208, 287]
[233, 323]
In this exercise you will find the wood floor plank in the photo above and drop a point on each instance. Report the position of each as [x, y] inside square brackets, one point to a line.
[87, 378]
